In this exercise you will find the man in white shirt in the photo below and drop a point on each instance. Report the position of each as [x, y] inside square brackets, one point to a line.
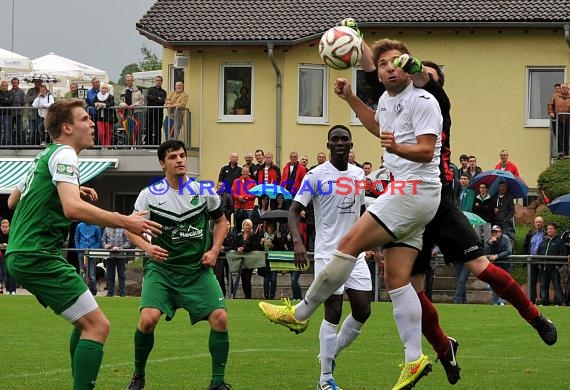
[335, 213]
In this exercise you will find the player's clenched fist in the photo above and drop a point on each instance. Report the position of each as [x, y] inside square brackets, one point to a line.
[342, 88]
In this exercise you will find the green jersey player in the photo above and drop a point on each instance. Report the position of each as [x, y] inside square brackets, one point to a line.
[47, 200]
[179, 272]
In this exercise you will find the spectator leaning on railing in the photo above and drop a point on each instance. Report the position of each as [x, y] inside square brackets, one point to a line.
[560, 103]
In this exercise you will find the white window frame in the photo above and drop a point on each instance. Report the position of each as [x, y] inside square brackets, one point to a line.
[222, 115]
[354, 120]
[325, 82]
[528, 121]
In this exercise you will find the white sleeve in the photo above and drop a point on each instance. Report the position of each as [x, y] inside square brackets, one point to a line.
[213, 202]
[64, 166]
[426, 115]
[141, 204]
[307, 189]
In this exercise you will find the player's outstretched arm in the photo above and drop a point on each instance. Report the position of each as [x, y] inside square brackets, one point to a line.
[413, 66]
[366, 115]
[75, 208]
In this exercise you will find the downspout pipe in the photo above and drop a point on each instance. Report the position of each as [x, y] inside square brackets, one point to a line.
[278, 106]
[567, 33]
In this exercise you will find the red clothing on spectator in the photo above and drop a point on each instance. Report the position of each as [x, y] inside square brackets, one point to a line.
[272, 174]
[240, 187]
[300, 172]
[511, 167]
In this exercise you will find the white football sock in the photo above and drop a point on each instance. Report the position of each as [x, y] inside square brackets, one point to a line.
[408, 316]
[327, 341]
[349, 330]
[328, 281]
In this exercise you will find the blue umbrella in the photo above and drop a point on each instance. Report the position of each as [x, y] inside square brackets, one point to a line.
[515, 185]
[474, 219]
[561, 205]
[271, 190]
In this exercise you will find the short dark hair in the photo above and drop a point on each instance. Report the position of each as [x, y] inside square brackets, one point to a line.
[438, 70]
[168, 146]
[553, 224]
[556, 85]
[338, 127]
[463, 157]
[466, 175]
[59, 113]
[367, 163]
[259, 150]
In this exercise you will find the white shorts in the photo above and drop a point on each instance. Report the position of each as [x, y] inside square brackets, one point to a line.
[359, 279]
[84, 305]
[406, 215]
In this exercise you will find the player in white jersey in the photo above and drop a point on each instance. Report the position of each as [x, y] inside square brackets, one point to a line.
[408, 122]
[336, 189]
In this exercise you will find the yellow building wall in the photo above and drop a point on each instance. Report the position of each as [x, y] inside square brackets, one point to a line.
[485, 73]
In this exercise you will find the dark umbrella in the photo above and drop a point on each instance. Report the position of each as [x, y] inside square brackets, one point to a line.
[515, 185]
[45, 77]
[561, 205]
[275, 215]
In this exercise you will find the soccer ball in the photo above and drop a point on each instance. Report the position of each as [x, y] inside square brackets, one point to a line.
[340, 47]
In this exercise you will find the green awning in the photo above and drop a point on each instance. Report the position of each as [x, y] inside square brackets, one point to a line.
[12, 170]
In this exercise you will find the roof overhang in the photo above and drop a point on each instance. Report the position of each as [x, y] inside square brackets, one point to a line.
[292, 42]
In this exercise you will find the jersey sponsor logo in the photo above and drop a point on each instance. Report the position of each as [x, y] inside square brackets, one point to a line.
[185, 232]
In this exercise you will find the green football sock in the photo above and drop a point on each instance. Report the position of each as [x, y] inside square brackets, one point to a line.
[73, 340]
[143, 345]
[219, 346]
[86, 363]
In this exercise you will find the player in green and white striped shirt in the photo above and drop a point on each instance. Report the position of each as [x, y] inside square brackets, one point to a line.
[46, 202]
[178, 274]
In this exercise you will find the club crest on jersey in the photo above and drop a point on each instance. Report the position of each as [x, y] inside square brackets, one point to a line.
[399, 108]
[65, 169]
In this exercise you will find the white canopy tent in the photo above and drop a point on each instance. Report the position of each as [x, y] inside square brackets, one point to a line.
[67, 70]
[10, 61]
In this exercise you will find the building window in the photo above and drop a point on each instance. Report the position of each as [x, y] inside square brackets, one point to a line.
[176, 74]
[540, 87]
[313, 92]
[236, 94]
[365, 90]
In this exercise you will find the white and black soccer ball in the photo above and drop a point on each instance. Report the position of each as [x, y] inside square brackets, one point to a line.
[340, 47]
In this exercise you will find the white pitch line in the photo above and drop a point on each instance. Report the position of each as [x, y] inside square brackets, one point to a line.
[58, 371]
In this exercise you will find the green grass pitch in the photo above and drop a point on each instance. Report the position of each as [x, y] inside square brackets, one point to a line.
[498, 350]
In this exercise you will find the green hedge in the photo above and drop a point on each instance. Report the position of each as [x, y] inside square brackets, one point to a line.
[555, 182]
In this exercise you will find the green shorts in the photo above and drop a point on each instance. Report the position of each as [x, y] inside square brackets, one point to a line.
[167, 291]
[49, 277]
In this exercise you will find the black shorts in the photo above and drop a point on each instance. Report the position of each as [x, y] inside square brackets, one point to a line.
[451, 232]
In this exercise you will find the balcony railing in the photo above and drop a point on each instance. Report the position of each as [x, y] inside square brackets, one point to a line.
[116, 127]
[560, 136]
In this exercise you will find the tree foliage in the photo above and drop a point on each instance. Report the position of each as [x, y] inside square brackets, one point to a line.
[150, 60]
[131, 68]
